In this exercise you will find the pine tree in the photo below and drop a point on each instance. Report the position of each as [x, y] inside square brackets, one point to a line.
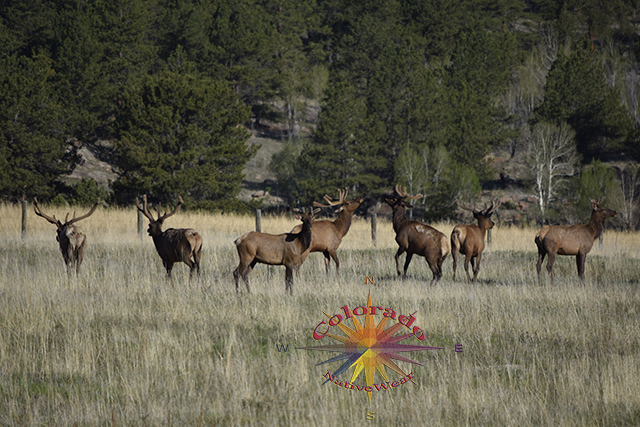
[33, 145]
[181, 134]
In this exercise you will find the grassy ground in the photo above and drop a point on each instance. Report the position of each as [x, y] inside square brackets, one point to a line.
[121, 346]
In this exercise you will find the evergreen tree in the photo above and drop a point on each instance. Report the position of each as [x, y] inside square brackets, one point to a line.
[100, 46]
[33, 145]
[577, 93]
[341, 154]
[181, 134]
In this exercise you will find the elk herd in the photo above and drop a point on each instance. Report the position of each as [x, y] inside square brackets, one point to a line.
[292, 249]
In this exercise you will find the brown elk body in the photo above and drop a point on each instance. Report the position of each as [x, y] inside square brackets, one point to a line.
[71, 238]
[571, 240]
[274, 249]
[327, 235]
[468, 240]
[174, 244]
[413, 237]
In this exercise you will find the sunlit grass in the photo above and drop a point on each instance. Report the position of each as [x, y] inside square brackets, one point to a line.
[120, 345]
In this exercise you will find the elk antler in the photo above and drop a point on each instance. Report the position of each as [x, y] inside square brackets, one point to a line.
[402, 192]
[167, 214]
[93, 208]
[491, 209]
[596, 202]
[145, 209]
[342, 197]
[38, 211]
[466, 207]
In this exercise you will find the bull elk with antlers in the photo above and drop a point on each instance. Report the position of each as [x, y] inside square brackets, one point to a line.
[414, 237]
[173, 244]
[71, 238]
[468, 240]
[571, 240]
[274, 249]
[327, 235]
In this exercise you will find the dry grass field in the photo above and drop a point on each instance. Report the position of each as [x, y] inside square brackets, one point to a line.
[120, 345]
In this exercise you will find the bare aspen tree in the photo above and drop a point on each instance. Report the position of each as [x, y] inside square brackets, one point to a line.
[553, 156]
[629, 179]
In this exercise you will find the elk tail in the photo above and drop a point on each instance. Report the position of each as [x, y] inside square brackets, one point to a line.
[540, 236]
[241, 238]
[456, 240]
[444, 248]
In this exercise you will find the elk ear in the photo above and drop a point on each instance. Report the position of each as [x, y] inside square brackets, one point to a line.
[595, 204]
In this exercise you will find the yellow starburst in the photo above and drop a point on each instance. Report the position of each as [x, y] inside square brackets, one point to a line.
[370, 348]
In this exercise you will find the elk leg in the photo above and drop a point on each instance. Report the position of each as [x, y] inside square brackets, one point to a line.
[436, 271]
[245, 274]
[236, 276]
[541, 256]
[476, 268]
[327, 261]
[197, 256]
[440, 261]
[169, 266]
[79, 257]
[400, 251]
[242, 270]
[288, 279]
[580, 259]
[455, 263]
[466, 266]
[406, 264]
[552, 259]
[190, 264]
[334, 256]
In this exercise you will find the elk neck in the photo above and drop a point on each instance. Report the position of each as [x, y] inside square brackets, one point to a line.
[596, 224]
[343, 222]
[399, 218]
[305, 235]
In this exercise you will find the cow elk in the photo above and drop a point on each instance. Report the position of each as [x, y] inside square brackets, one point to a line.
[285, 249]
[327, 235]
[71, 238]
[414, 237]
[173, 244]
[468, 240]
[571, 240]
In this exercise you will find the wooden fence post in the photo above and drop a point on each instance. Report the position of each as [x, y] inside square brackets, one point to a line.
[259, 220]
[24, 217]
[374, 229]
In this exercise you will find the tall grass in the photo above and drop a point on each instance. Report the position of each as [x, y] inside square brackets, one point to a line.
[120, 345]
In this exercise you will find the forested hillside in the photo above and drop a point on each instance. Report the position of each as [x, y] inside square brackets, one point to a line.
[433, 94]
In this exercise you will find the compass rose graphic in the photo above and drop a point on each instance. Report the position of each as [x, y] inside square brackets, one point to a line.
[370, 348]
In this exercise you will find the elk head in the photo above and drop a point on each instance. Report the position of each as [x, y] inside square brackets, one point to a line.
[398, 202]
[155, 225]
[483, 216]
[70, 237]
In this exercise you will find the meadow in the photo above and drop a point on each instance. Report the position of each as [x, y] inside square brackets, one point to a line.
[121, 345]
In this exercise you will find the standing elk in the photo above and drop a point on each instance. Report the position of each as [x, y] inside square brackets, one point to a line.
[415, 237]
[173, 244]
[71, 238]
[468, 240]
[274, 249]
[327, 235]
[571, 240]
